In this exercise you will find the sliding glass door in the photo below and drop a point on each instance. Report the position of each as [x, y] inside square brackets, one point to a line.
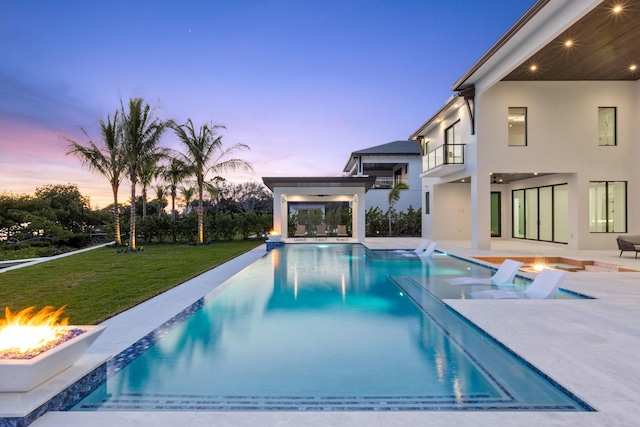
[541, 213]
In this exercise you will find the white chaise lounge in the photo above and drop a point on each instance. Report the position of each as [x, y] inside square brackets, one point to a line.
[504, 275]
[419, 249]
[431, 247]
[544, 286]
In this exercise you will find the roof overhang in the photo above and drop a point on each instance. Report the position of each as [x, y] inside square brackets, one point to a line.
[604, 45]
[320, 182]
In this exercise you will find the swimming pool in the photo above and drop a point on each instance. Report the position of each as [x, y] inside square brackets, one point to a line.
[331, 327]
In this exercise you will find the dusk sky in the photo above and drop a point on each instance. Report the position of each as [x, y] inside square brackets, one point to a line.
[302, 82]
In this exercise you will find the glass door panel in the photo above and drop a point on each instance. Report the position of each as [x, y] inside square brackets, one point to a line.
[518, 214]
[531, 213]
[546, 213]
[561, 213]
[495, 215]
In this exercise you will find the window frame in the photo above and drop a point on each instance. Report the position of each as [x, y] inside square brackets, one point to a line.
[526, 127]
[607, 197]
[615, 127]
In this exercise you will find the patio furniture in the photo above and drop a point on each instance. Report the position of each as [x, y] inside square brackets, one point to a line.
[419, 249]
[321, 232]
[427, 252]
[505, 274]
[342, 232]
[544, 286]
[629, 243]
[301, 232]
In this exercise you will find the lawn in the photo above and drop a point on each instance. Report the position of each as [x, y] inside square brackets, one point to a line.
[98, 284]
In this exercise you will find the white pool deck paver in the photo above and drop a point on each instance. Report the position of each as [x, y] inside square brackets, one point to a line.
[592, 347]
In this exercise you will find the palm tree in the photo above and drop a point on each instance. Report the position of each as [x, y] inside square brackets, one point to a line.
[204, 154]
[106, 160]
[142, 132]
[187, 193]
[174, 173]
[149, 170]
[394, 196]
[161, 196]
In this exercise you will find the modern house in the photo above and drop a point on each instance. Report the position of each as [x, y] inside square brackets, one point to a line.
[541, 140]
[389, 163]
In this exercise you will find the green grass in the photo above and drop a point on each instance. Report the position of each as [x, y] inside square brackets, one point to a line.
[101, 283]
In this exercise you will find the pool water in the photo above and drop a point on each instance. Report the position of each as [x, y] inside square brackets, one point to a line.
[332, 327]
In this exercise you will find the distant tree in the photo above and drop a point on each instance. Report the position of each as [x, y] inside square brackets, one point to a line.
[394, 196]
[161, 197]
[204, 154]
[68, 206]
[106, 159]
[142, 132]
[187, 194]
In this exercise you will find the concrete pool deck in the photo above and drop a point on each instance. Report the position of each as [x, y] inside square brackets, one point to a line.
[591, 347]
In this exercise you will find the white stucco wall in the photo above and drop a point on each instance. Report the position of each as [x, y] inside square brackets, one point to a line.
[562, 135]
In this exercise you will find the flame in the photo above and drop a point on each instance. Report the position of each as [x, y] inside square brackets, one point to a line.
[273, 233]
[26, 331]
[539, 264]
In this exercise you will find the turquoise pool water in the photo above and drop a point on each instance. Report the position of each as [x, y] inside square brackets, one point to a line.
[331, 327]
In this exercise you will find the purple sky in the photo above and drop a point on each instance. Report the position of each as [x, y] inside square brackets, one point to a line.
[302, 82]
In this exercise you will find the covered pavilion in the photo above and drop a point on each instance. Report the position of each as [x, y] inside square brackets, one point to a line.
[319, 190]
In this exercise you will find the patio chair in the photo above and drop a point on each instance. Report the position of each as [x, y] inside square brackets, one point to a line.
[504, 275]
[427, 252]
[342, 232]
[419, 249]
[544, 286]
[301, 232]
[321, 232]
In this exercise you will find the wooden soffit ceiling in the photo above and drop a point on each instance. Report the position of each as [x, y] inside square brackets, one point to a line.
[604, 45]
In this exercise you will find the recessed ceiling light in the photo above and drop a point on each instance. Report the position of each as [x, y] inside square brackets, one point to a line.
[617, 8]
[533, 67]
[568, 43]
[633, 67]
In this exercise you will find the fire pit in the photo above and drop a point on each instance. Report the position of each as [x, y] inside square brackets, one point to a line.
[35, 348]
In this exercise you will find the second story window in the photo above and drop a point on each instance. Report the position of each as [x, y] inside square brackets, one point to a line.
[606, 125]
[517, 126]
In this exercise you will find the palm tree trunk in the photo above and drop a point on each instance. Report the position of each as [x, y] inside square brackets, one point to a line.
[144, 203]
[173, 215]
[132, 227]
[116, 218]
[200, 217]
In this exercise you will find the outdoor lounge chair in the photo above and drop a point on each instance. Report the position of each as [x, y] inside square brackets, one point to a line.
[427, 252]
[301, 232]
[321, 232]
[505, 274]
[342, 231]
[629, 243]
[544, 286]
[420, 248]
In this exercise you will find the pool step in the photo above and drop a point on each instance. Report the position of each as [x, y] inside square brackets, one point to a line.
[166, 402]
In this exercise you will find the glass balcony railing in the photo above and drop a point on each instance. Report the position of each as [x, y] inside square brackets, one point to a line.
[447, 154]
[387, 182]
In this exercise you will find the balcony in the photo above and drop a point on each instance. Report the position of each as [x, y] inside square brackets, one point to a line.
[444, 160]
[387, 182]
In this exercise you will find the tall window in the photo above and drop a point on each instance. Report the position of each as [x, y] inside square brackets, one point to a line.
[608, 207]
[517, 126]
[607, 126]
[427, 204]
